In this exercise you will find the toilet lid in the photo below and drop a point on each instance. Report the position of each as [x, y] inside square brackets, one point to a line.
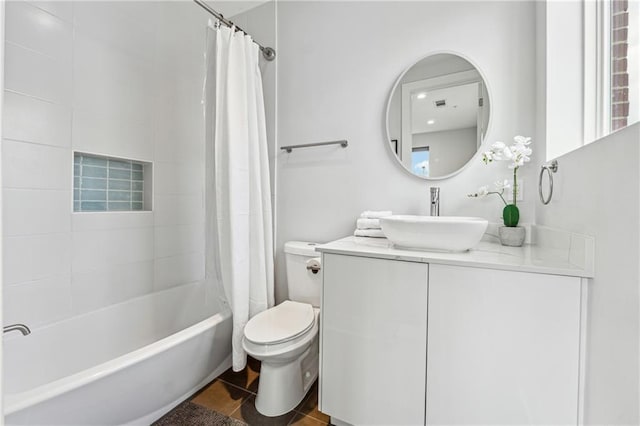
[284, 322]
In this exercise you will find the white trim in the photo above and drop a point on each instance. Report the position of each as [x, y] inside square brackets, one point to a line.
[603, 70]
[2, 26]
[597, 70]
[582, 349]
[633, 58]
[590, 41]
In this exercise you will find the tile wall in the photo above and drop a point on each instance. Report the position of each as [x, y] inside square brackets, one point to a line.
[120, 79]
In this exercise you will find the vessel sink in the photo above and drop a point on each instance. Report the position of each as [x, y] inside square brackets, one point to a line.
[440, 233]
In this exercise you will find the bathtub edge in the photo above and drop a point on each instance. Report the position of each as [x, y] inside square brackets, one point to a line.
[156, 415]
[19, 401]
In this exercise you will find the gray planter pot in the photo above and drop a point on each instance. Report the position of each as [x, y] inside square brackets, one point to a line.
[511, 236]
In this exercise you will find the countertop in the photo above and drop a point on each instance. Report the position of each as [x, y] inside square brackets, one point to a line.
[529, 258]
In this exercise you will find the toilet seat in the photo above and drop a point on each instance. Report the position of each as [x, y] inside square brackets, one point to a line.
[282, 323]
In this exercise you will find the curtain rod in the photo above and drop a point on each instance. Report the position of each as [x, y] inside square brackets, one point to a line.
[268, 53]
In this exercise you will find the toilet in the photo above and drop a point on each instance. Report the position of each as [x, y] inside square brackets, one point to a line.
[285, 338]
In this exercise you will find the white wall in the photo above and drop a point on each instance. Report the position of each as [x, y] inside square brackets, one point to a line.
[337, 64]
[118, 78]
[597, 192]
[448, 150]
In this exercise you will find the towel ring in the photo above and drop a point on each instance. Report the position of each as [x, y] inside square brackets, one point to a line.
[551, 168]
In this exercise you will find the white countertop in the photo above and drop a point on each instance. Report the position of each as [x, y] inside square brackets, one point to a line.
[529, 258]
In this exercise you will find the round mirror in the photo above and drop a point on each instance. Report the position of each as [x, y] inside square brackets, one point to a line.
[437, 115]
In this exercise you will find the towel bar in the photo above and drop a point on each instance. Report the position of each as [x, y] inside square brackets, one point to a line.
[289, 148]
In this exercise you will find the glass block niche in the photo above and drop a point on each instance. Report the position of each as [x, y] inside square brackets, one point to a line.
[103, 184]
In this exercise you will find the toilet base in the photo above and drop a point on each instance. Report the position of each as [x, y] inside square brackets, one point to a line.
[283, 385]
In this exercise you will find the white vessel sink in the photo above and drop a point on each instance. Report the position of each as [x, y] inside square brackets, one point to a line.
[442, 233]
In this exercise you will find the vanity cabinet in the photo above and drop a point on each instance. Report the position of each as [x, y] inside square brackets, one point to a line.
[374, 340]
[413, 343]
[503, 347]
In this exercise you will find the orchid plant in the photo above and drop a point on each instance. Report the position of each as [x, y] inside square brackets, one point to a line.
[517, 155]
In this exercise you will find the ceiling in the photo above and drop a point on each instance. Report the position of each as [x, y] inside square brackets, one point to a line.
[230, 8]
[460, 110]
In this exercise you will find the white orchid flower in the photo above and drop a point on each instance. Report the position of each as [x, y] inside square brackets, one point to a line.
[507, 153]
[487, 157]
[482, 192]
[517, 154]
[522, 140]
[498, 146]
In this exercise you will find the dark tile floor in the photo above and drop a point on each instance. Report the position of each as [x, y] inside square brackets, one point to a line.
[230, 400]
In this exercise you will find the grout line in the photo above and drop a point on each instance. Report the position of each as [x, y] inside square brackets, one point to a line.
[237, 408]
[236, 386]
[57, 60]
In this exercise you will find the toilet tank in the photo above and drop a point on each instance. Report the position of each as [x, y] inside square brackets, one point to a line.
[304, 286]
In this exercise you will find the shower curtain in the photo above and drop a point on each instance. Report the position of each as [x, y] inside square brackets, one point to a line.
[242, 192]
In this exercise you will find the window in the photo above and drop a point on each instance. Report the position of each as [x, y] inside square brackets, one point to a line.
[420, 161]
[110, 184]
[591, 72]
[612, 66]
[624, 45]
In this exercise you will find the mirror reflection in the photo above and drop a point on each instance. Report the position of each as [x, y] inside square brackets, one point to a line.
[437, 115]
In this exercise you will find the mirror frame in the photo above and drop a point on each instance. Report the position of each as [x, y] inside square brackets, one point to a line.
[489, 123]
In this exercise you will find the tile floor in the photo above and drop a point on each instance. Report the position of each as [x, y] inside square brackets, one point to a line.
[230, 400]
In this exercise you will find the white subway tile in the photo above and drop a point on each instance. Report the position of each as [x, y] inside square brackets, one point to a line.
[178, 240]
[179, 210]
[185, 124]
[111, 83]
[103, 287]
[103, 249]
[178, 270]
[31, 27]
[37, 303]
[127, 26]
[27, 165]
[29, 212]
[33, 120]
[35, 74]
[178, 178]
[111, 220]
[112, 137]
[187, 151]
[30, 258]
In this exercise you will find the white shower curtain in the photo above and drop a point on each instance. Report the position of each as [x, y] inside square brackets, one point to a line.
[242, 183]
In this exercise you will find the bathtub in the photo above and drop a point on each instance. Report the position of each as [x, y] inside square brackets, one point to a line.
[125, 364]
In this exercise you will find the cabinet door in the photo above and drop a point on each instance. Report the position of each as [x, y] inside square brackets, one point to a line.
[373, 340]
[503, 347]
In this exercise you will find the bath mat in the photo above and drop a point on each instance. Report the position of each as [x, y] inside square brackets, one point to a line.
[190, 414]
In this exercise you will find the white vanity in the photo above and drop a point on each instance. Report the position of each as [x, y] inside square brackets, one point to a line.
[490, 336]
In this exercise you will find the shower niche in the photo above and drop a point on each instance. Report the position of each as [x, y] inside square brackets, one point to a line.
[111, 184]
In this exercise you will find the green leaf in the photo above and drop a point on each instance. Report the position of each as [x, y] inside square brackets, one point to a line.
[511, 215]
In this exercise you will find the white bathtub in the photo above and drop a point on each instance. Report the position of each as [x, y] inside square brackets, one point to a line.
[125, 364]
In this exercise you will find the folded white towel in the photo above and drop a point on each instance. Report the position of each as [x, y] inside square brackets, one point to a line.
[370, 214]
[373, 233]
[363, 223]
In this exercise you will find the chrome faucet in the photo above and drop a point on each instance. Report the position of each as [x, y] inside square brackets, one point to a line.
[435, 201]
[17, 327]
